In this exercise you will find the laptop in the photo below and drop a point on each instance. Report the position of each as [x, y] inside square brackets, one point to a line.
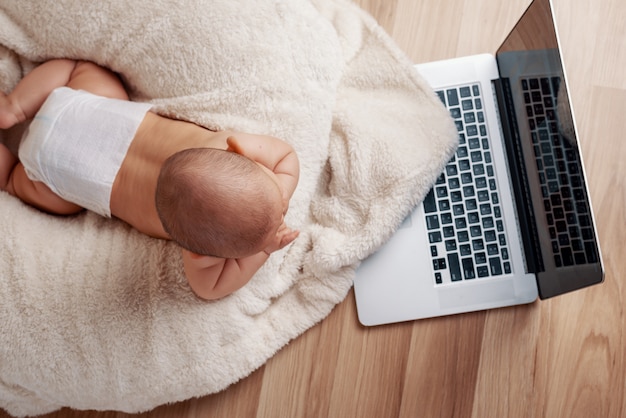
[509, 219]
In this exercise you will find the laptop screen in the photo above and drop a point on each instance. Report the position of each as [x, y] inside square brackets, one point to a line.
[551, 192]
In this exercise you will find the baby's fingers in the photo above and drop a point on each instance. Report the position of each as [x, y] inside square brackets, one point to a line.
[288, 236]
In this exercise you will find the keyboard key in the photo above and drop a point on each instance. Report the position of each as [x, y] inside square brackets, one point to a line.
[429, 202]
[568, 256]
[468, 191]
[442, 96]
[591, 252]
[439, 263]
[455, 267]
[434, 237]
[468, 269]
[453, 98]
[432, 222]
[478, 244]
[495, 266]
[467, 104]
[545, 85]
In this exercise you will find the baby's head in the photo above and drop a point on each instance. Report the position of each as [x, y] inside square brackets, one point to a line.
[218, 203]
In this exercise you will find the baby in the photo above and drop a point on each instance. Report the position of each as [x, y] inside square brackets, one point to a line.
[221, 196]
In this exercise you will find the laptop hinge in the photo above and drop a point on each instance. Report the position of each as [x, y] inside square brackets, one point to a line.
[517, 168]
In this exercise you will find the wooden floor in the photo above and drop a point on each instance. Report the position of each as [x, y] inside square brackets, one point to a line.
[559, 358]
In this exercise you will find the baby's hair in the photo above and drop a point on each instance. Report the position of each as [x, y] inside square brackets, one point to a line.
[200, 195]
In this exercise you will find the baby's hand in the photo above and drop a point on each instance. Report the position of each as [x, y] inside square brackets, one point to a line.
[284, 236]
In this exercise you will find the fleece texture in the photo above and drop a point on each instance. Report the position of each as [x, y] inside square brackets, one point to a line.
[94, 315]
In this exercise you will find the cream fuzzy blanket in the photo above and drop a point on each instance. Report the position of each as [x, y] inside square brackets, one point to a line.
[93, 315]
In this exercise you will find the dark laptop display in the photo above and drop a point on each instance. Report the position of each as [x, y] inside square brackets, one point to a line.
[542, 146]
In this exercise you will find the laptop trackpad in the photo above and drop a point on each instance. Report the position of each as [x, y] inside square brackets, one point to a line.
[477, 294]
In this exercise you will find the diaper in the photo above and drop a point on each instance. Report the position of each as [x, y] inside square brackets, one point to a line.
[76, 145]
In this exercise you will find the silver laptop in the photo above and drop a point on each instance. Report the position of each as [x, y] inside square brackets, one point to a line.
[509, 219]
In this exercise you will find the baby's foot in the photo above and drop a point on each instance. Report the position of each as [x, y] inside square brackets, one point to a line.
[9, 112]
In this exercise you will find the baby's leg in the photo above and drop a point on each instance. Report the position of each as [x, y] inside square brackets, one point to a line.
[7, 163]
[30, 93]
[98, 80]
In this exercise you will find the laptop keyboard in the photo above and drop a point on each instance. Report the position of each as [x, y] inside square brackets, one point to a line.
[563, 189]
[463, 212]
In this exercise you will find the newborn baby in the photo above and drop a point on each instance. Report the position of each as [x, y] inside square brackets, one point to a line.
[221, 196]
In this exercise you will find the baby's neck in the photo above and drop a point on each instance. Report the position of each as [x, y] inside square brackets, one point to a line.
[132, 196]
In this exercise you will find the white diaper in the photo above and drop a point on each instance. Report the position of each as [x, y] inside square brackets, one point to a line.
[76, 145]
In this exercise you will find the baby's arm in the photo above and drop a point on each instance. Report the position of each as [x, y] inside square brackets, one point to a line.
[213, 277]
[273, 153]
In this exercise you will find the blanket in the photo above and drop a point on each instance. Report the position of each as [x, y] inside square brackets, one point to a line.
[94, 315]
